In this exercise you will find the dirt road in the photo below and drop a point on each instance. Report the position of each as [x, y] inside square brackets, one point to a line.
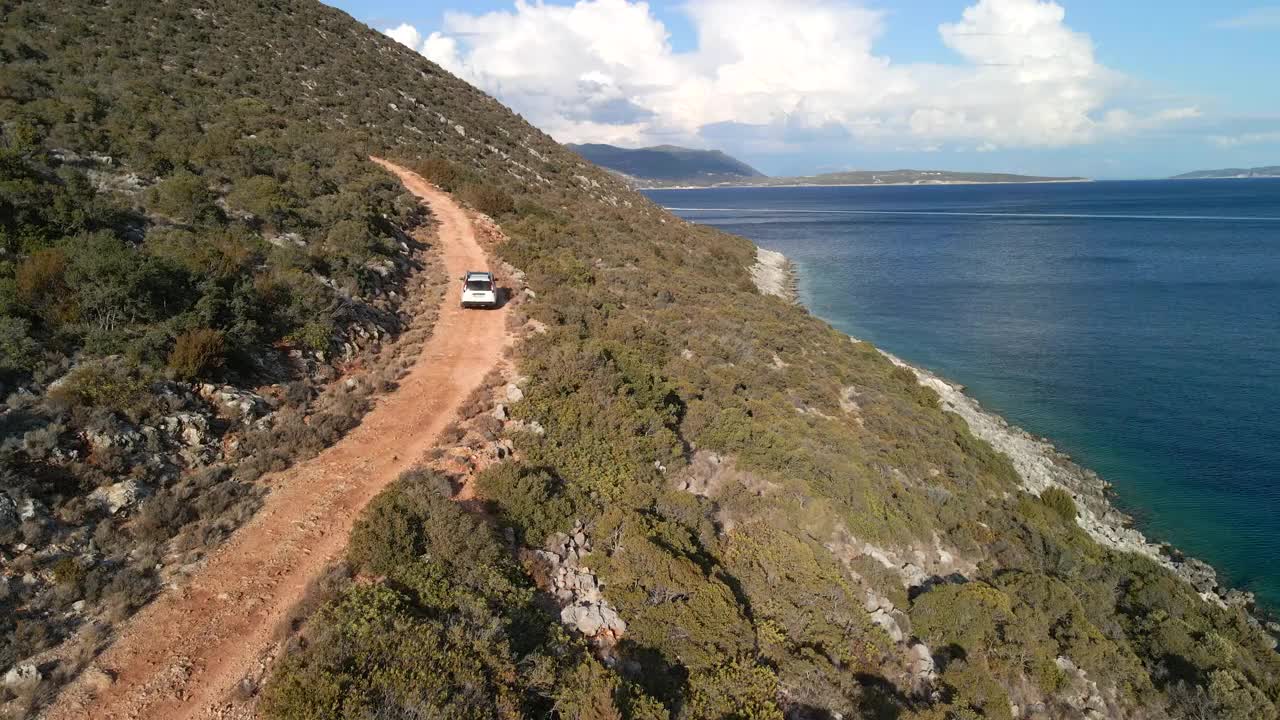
[185, 654]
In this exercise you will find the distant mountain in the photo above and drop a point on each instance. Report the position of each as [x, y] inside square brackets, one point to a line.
[667, 165]
[1257, 172]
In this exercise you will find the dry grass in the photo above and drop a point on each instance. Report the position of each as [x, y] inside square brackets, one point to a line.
[451, 434]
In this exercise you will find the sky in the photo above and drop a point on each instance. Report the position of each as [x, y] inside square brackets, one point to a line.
[1094, 88]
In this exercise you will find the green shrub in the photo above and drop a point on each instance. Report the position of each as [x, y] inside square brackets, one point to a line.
[260, 195]
[183, 196]
[1235, 698]
[1060, 502]
[415, 519]
[972, 692]
[659, 577]
[19, 352]
[970, 615]
[68, 572]
[452, 631]
[735, 691]
[446, 175]
[111, 383]
[314, 335]
[492, 201]
[220, 261]
[529, 500]
[196, 352]
[375, 653]
[591, 692]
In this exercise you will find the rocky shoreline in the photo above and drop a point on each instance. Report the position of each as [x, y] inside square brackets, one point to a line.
[1040, 466]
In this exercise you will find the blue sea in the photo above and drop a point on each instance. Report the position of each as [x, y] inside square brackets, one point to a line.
[1135, 324]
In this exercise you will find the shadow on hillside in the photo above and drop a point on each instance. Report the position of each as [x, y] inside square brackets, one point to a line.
[881, 699]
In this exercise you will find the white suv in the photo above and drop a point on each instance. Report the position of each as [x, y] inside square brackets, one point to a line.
[479, 290]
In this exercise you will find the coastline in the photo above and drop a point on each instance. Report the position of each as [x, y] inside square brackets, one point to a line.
[1220, 177]
[1040, 465]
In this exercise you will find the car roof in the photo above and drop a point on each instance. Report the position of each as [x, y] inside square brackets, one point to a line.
[474, 275]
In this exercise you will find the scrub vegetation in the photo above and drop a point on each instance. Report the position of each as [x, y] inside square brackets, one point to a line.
[789, 525]
[183, 269]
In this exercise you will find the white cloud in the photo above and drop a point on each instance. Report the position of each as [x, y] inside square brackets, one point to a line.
[405, 34]
[1263, 18]
[787, 71]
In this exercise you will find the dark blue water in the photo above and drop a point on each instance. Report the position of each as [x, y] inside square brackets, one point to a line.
[1136, 324]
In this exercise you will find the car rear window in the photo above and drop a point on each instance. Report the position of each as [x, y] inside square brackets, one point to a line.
[479, 285]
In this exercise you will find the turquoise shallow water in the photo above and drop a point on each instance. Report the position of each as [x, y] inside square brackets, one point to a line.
[1136, 324]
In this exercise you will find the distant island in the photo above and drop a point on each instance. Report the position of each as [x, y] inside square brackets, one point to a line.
[668, 166]
[908, 177]
[1268, 171]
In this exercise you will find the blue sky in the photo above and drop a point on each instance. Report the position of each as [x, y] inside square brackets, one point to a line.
[1080, 87]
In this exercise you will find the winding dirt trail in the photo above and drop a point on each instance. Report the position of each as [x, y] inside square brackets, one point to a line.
[185, 654]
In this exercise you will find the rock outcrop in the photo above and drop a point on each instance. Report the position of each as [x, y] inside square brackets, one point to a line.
[118, 496]
[578, 590]
[234, 403]
[773, 275]
[22, 678]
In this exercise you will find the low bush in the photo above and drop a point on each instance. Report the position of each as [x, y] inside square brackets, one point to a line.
[530, 501]
[68, 572]
[315, 335]
[488, 426]
[40, 286]
[446, 175]
[1060, 502]
[492, 201]
[451, 434]
[735, 690]
[19, 352]
[196, 352]
[452, 630]
[112, 384]
[183, 196]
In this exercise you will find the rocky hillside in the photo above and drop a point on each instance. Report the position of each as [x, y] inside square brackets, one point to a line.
[712, 505]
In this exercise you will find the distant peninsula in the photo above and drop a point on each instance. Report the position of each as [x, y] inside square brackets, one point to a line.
[1268, 171]
[668, 166]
